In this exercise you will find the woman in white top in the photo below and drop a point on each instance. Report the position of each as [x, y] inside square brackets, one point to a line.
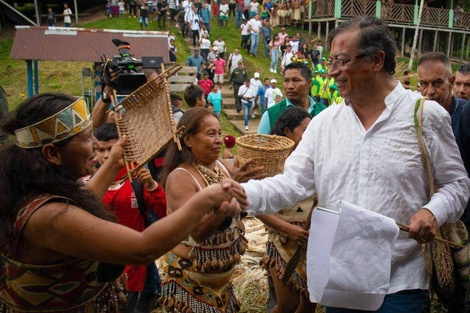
[287, 57]
[254, 7]
[220, 44]
[205, 44]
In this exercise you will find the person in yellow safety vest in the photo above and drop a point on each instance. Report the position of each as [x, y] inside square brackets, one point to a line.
[315, 89]
[324, 83]
[335, 97]
[322, 66]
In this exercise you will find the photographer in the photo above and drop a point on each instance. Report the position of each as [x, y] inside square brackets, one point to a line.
[246, 94]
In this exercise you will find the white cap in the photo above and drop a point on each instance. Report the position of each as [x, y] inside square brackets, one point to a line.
[215, 48]
[256, 75]
[273, 81]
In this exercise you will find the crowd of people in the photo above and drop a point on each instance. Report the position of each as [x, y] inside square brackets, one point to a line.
[68, 209]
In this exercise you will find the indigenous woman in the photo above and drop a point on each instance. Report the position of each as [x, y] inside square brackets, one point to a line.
[199, 270]
[287, 233]
[56, 240]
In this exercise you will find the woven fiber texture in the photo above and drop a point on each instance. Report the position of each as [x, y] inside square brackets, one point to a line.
[269, 151]
[147, 122]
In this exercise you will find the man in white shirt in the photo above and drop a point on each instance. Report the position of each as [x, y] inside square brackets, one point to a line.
[67, 15]
[224, 13]
[271, 94]
[255, 82]
[247, 95]
[233, 60]
[254, 25]
[365, 151]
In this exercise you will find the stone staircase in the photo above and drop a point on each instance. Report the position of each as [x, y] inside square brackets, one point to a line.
[236, 119]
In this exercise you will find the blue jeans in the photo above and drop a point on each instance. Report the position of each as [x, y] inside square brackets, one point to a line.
[405, 301]
[274, 58]
[238, 18]
[254, 43]
[266, 46]
[246, 111]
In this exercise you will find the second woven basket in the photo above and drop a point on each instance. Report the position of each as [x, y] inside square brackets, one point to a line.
[269, 151]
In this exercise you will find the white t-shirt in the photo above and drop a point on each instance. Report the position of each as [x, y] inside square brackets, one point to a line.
[271, 94]
[247, 92]
[254, 6]
[295, 45]
[255, 26]
[255, 83]
[205, 43]
[245, 30]
[224, 10]
[235, 59]
[220, 46]
[67, 13]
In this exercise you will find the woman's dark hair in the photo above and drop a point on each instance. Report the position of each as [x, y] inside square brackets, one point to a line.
[25, 173]
[374, 36]
[290, 118]
[191, 121]
[106, 132]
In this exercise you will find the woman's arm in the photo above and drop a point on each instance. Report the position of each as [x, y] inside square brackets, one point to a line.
[294, 232]
[71, 231]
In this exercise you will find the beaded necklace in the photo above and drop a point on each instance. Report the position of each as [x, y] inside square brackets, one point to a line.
[210, 177]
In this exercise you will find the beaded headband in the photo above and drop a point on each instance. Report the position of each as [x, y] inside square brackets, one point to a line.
[62, 125]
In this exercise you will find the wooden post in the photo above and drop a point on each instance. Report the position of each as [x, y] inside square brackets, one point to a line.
[319, 30]
[38, 13]
[76, 12]
[463, 47]
[449, 45]
[327, 29]
[436, 34]
[415, 39]
[310, 17]
[403, 33]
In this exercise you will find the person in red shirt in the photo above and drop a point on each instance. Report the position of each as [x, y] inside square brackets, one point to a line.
[123, 201]
[206, 84]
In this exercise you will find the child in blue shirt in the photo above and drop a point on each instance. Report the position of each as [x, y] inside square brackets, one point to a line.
[215, 100]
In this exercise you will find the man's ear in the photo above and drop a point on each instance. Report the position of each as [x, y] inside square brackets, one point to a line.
[452, 81]
[378, 59]
[52, 154]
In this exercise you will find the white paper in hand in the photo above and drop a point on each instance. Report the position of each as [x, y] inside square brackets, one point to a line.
[349, 257]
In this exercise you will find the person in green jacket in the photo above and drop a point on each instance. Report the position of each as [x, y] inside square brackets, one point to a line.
[297, 84]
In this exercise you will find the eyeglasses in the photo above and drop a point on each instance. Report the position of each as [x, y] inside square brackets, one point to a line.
[338, 64]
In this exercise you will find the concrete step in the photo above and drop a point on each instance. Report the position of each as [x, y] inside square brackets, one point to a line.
[233, 115]
[229, 106]
[240, 126]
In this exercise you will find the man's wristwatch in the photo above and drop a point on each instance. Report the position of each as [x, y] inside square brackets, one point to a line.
[105, 97]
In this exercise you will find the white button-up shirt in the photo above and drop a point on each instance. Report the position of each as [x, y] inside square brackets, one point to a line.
[379, 169]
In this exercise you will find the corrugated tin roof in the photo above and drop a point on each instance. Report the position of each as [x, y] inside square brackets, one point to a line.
[84, 45]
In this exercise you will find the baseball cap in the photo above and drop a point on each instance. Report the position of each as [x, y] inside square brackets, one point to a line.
[273, 81]
[196, 51]
[215, 48]
[256, 75]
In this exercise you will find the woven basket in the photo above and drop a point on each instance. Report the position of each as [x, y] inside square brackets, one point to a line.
[146, 118]
[269, 151]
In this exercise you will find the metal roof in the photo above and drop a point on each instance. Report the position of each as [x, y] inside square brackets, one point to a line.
[84, 44]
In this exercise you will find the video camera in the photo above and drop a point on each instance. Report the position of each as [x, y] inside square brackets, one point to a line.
[126, 66]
